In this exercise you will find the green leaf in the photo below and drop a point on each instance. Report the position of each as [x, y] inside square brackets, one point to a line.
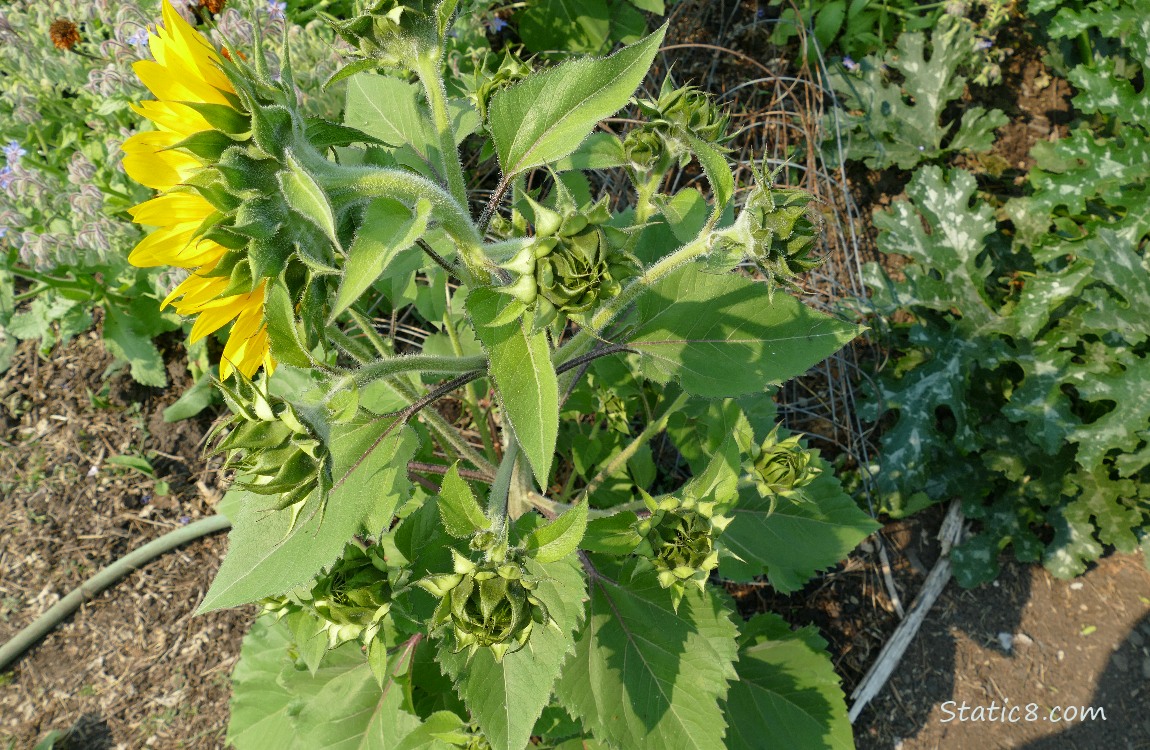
[520, 363]
[306, 197]
[547, 115]
[271, 551]
[391, 110]
[685, 212]
[506, 698]
[787, 694]
[352, 712]
[276, 703]
[284, 332]
[651, 6]
[138, 463]
[193, 401]
[724, 335]
[560, 537]
[901, 122]
[802, 536]
[599, 151]
[125, 341]
[568, 25]
[268, 689]
[613, 535]
[718, 171]
[388, 228]
[458, 508]
[645, 676]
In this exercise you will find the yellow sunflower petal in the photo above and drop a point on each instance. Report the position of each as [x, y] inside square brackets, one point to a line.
[146, 161]
[246, 348]
[172, 208]
[191, 294]
[175, 82]
[173, 117]
[183, 41]
[214, 318]
[175, 245]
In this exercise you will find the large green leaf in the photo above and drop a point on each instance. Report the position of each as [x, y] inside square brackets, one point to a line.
[505, 698]
[802, 536]
[388, 228]
[271, 551]
[725, 335]
[568, 25]
[277, 703]
[648, 677]
[391, 110]
[547, 115]
[523, 374]
[787, 695]
[124, 339]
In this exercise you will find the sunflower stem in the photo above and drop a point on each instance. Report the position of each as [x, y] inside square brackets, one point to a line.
[427, 67]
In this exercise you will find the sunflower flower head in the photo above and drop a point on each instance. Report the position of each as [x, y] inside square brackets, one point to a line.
[223, 140]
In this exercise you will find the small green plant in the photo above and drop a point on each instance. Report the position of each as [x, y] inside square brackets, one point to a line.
[889, 122]
[467, 540]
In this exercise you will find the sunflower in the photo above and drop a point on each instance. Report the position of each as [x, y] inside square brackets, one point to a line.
[187, 70]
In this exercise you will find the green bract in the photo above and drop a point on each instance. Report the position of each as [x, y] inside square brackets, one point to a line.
[487, 605]
[779, 467]
[679, 540]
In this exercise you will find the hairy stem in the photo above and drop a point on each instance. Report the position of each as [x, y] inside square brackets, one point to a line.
[427, 67]
[501, 488]
[390, 366]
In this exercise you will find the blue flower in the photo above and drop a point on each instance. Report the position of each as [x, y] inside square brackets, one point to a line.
[850, 64]
[5, 177]
[983, 44]
[3, 232]
[496, 24]
[276, 9]
[13, 152]
[138, 38]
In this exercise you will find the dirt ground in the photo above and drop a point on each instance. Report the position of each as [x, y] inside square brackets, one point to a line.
[132, 668]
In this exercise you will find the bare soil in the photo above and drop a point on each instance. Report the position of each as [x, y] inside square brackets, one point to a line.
[132, 668]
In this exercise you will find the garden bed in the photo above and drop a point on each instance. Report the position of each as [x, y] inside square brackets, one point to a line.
[134, 668]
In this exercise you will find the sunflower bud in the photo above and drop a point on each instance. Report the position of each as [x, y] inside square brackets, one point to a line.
[268, 444]
[778, 467]
[353, 597]
[486, 605]
[393, 31]
[645, 149]
[346, 602]
[673, 120]
[775, 231]
[679, 540]
[570, 267]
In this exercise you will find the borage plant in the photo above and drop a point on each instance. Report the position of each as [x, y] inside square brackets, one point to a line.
[517, 598]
